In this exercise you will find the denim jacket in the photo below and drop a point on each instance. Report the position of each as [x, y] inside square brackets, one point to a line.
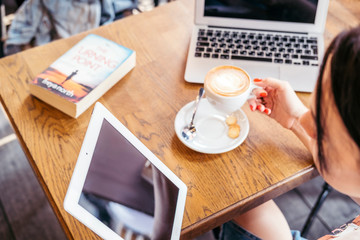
[40, 21]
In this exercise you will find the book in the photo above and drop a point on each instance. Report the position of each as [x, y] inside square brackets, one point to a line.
[83, 74]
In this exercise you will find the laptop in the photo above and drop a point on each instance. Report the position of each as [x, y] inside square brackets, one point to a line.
[120, 189]
[280, 39]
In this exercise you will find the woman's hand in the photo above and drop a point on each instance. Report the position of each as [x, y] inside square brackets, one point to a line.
[278, 100]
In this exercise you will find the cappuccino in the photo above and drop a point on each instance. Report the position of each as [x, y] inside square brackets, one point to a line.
[227, 81]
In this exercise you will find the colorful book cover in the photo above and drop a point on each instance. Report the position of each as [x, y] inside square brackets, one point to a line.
[81, 69]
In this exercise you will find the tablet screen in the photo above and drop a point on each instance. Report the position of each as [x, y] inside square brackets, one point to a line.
[125, 191]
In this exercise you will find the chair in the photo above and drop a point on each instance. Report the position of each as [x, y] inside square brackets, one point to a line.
[326, 189]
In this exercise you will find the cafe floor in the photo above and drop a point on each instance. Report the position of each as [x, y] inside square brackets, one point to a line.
[25, 212]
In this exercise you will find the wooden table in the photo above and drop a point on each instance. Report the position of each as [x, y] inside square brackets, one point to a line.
[270, 162]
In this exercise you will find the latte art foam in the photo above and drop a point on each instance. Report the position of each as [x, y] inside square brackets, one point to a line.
[227, 81]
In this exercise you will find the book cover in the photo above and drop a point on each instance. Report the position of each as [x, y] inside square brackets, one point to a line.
[76, 75]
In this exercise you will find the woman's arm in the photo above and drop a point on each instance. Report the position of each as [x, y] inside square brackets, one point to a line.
[277, 99]
[300, 132]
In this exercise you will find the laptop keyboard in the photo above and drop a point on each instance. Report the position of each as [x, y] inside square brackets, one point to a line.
[255, 46]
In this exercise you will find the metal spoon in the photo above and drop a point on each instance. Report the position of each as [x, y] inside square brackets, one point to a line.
[189, 131]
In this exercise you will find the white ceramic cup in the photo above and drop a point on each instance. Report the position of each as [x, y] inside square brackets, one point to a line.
[227, 88]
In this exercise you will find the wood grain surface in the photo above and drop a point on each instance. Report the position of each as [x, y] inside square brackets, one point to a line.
[270, 162]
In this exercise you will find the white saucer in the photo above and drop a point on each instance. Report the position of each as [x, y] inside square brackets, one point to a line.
[211, 129]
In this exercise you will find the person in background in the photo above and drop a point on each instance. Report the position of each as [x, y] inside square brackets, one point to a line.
[330, 129]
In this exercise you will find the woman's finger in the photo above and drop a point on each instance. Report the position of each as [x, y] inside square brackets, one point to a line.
[252, 104]
[260, 92]
[260, 107]
[267, 111]
[269, 82]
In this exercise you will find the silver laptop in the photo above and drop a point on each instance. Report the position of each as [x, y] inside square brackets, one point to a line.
[267, 38]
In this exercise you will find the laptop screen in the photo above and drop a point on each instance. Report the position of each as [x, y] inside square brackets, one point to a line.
[297, 11]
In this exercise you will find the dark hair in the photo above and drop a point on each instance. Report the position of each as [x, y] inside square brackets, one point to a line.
[345, 86]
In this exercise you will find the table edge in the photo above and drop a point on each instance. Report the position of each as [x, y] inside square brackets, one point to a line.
[267, 194]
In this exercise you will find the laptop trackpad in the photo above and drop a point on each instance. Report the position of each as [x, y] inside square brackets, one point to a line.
[261, 71]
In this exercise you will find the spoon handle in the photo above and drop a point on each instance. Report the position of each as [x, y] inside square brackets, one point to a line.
[201, 93]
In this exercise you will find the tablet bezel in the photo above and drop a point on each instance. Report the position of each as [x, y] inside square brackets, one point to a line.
[71, 201]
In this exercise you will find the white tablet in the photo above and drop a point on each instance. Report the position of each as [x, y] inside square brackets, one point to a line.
[120, 189]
